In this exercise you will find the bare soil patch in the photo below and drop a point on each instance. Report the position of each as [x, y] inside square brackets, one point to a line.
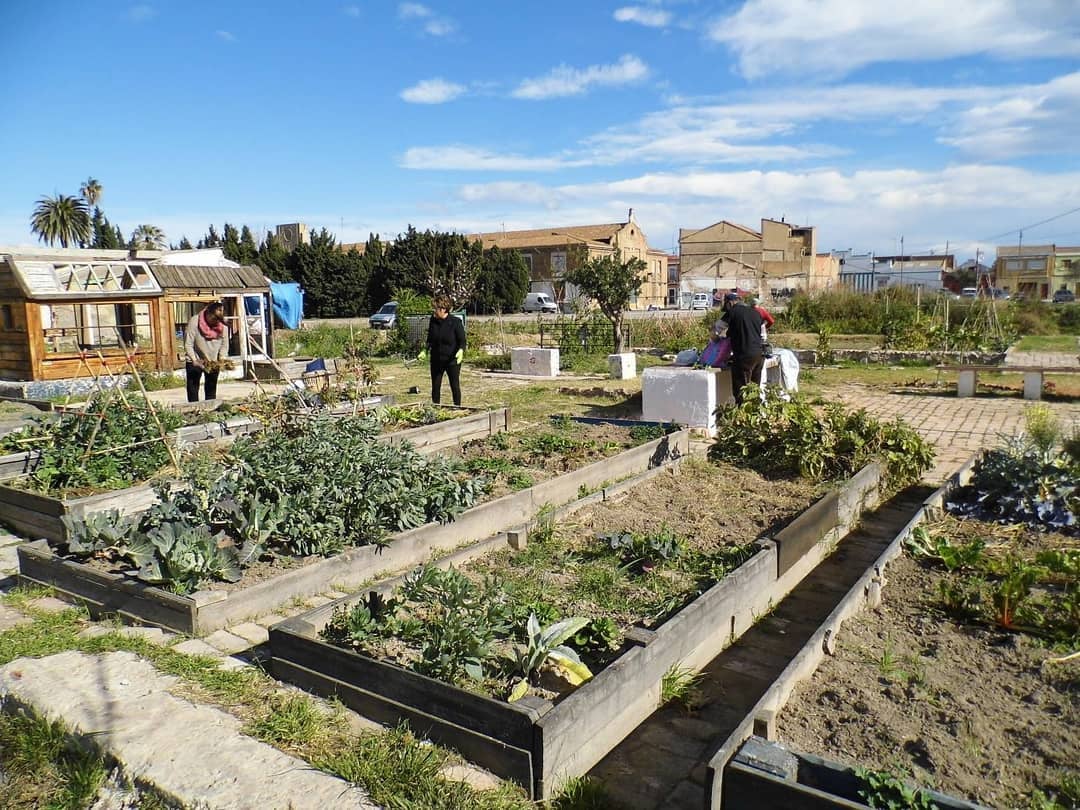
[971, 710]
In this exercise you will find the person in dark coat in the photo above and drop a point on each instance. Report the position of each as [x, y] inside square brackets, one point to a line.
[747, 350]
[446, 348]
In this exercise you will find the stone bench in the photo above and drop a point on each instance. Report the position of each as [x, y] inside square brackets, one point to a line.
[967, 377]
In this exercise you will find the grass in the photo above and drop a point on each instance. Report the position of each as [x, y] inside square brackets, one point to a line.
[680, 685]
[395, 767]
[1068, 344]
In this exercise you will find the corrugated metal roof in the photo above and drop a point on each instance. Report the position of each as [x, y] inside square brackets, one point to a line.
[187, 277]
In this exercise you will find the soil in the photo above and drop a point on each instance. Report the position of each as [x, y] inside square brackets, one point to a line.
[708, 506]
[971, 710]
[546, 451]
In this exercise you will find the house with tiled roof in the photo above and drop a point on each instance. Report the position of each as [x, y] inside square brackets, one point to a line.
[550, 252]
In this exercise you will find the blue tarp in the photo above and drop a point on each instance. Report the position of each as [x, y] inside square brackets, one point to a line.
[288, 303]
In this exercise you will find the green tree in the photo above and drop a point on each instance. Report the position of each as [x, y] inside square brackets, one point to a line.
[503, 282]
[91, 191]
[273, 259]
[104, 236]
[430, 262]
[611, 283]
[211, 240]
[147, 237]
[248, 249]
[185, 243]
[63, 218]
[120, 241]
[230, 243]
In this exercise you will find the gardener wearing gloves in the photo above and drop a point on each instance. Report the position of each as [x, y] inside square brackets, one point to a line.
[206, 349]
[446, 346]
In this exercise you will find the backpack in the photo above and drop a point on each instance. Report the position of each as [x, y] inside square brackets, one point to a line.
[716, 353]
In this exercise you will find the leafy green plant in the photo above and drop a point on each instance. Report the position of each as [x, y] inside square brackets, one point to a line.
[460, 620]
[545, 645]
[643, 553]
[599, 638]
[786, 438]
[110, 444]
[885, 790]
[187, 555]
[920, 544]
[680, 685]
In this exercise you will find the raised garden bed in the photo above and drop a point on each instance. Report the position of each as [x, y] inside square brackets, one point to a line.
[40, 516]
[211, 608]
[540, 742]
[957, 682]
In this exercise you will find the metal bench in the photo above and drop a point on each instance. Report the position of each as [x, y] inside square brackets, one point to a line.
[967, 377]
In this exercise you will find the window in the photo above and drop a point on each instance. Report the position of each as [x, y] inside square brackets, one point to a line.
[1014, 264]
[7, 318]
[1036, 264]
[86, 277]
[71, 328]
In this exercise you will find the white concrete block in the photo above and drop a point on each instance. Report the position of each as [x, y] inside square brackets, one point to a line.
[1033, 384]
[965, 383]
[535, 362]
[686, 396]
[622, 366]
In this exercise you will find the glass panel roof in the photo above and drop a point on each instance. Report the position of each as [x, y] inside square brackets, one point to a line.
[86, 278]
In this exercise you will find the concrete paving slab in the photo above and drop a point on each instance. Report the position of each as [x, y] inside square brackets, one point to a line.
[9, 560]
[270, 620]
[251, 632]
[196, 646]
[194, 754]
[10, 617]
[226, 642]
[50, 604]
[154, 635]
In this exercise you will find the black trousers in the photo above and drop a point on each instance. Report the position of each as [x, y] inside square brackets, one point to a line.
[194, 375]
[453, 374]
[745, 370]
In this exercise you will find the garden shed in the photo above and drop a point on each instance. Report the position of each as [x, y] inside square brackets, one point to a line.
[76, 313]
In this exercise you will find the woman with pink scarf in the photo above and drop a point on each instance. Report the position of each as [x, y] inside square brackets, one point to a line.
[206, 341]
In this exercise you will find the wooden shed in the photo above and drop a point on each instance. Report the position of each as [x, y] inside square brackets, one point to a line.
[77, 313]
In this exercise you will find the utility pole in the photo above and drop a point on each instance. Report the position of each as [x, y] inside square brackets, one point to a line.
[901, 260]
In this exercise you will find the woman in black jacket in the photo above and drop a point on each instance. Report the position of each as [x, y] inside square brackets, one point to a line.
[446, 347]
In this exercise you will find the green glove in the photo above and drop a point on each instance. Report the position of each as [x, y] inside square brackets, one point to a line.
[422, 356]
[459, 356]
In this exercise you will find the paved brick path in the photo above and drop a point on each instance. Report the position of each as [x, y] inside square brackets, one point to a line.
[957, 427]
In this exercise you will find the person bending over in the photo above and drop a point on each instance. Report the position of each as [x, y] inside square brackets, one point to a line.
[206, 347]
[744, 330]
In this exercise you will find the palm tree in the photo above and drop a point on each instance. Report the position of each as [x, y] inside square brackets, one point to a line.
[148, 237]
[91, 191]
[63, 218]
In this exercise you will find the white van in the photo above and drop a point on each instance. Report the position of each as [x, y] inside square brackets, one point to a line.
[701, 301]
[539, 302]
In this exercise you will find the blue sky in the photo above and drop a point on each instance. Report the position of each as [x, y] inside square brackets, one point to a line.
[945, 123]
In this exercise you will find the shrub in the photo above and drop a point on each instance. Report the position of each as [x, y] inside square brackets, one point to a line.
[778, 438]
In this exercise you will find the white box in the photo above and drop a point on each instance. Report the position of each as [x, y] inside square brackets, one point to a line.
[686, 396]
[622, 366]
[535, 362]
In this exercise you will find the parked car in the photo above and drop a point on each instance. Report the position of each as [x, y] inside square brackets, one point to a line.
[701, 301]
[969, 292]
[539, 302]
[385, 318]
[1064, 296]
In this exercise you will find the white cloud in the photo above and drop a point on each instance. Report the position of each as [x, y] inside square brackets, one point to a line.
[225, 36]
[835, 37]
[141, 12]
[1031, 119]
[467, 158]
[864, 209]
[434, 24]
[432, 91]
[413, 10]
[351, 11]
[568, 81]
[652, 17]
